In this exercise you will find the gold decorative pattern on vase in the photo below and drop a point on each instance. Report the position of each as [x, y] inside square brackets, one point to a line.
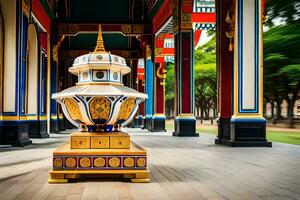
[141, 162]
[99, 162]
[57, 162]
[126, 109]
[128, 162]
[70, 162]
[85, 162]
[73, 109]
[99, 108]
[114, 162]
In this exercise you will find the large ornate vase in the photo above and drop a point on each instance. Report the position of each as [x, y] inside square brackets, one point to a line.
[99, 105]
[99, 101]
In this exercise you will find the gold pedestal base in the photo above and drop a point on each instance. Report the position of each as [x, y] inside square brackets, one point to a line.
[73, 163]
[135, 176]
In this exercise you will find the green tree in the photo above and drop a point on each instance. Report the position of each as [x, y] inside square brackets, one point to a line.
[282, 65]
[286, 10]
[169, 90]
[205, 78]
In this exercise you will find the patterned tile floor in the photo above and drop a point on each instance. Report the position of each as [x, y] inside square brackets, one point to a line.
[181, 168]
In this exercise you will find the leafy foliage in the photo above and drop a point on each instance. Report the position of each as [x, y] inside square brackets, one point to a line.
[287, 10]
[282, 64]
[169, 90]
[205, 79]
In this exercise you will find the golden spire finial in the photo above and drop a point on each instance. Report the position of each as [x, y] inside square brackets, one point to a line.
[100, 45]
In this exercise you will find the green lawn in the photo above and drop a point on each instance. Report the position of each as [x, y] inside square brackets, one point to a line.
[284, 137]
[289, 137]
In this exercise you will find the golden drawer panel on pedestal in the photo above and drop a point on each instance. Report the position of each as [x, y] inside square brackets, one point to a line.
[80, 143]
[119, 142]
[100, 142]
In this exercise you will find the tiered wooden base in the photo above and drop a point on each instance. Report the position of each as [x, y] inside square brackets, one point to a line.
[99, 154]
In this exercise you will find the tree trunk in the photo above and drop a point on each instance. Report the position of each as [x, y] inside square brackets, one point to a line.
[272, 109]
[291, 112]
[201, 114]
[264, 108]
[278, 113]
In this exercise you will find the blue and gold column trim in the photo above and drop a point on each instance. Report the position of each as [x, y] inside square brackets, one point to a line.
[13, 125]
[248, 127]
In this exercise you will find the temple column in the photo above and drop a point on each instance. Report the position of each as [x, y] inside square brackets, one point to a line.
[56, 120]
[149, 82]
[159, 117]
[149, 91]
[141, 88]
[13, 119]
[225, 33]
[185, 121]
[248, 127]
[134, 85]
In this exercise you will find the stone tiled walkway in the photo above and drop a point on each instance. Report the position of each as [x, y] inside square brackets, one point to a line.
[181, 168]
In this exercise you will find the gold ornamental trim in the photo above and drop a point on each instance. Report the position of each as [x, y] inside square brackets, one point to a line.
[70, 162]
[73, 109]
[100, 44]
[114, 162]
[141, 162]
[85, 162]
[126, 108]
[99, 108]
[57, 162]
[99, 162]
[129, 162]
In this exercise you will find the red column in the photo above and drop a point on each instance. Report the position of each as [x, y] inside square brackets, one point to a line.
[224, 69]
[160, 89]
[159, 117]
[141, 81]
[185, 121]
[159, 73]
[141, 88]
[224, 61]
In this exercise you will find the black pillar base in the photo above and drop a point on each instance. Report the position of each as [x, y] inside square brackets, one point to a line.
[185, 128]
[223, 129]
[14, 133]
[54, 126]
[64, 124]
[158, 124]
[135, 123]
[140, 121]
[38, 129]
[147, 122]
[246, 133]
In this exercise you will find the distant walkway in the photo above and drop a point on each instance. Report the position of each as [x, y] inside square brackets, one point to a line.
[272, 127]
[181, 168]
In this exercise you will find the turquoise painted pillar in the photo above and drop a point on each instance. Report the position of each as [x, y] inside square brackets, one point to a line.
[149, 81]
